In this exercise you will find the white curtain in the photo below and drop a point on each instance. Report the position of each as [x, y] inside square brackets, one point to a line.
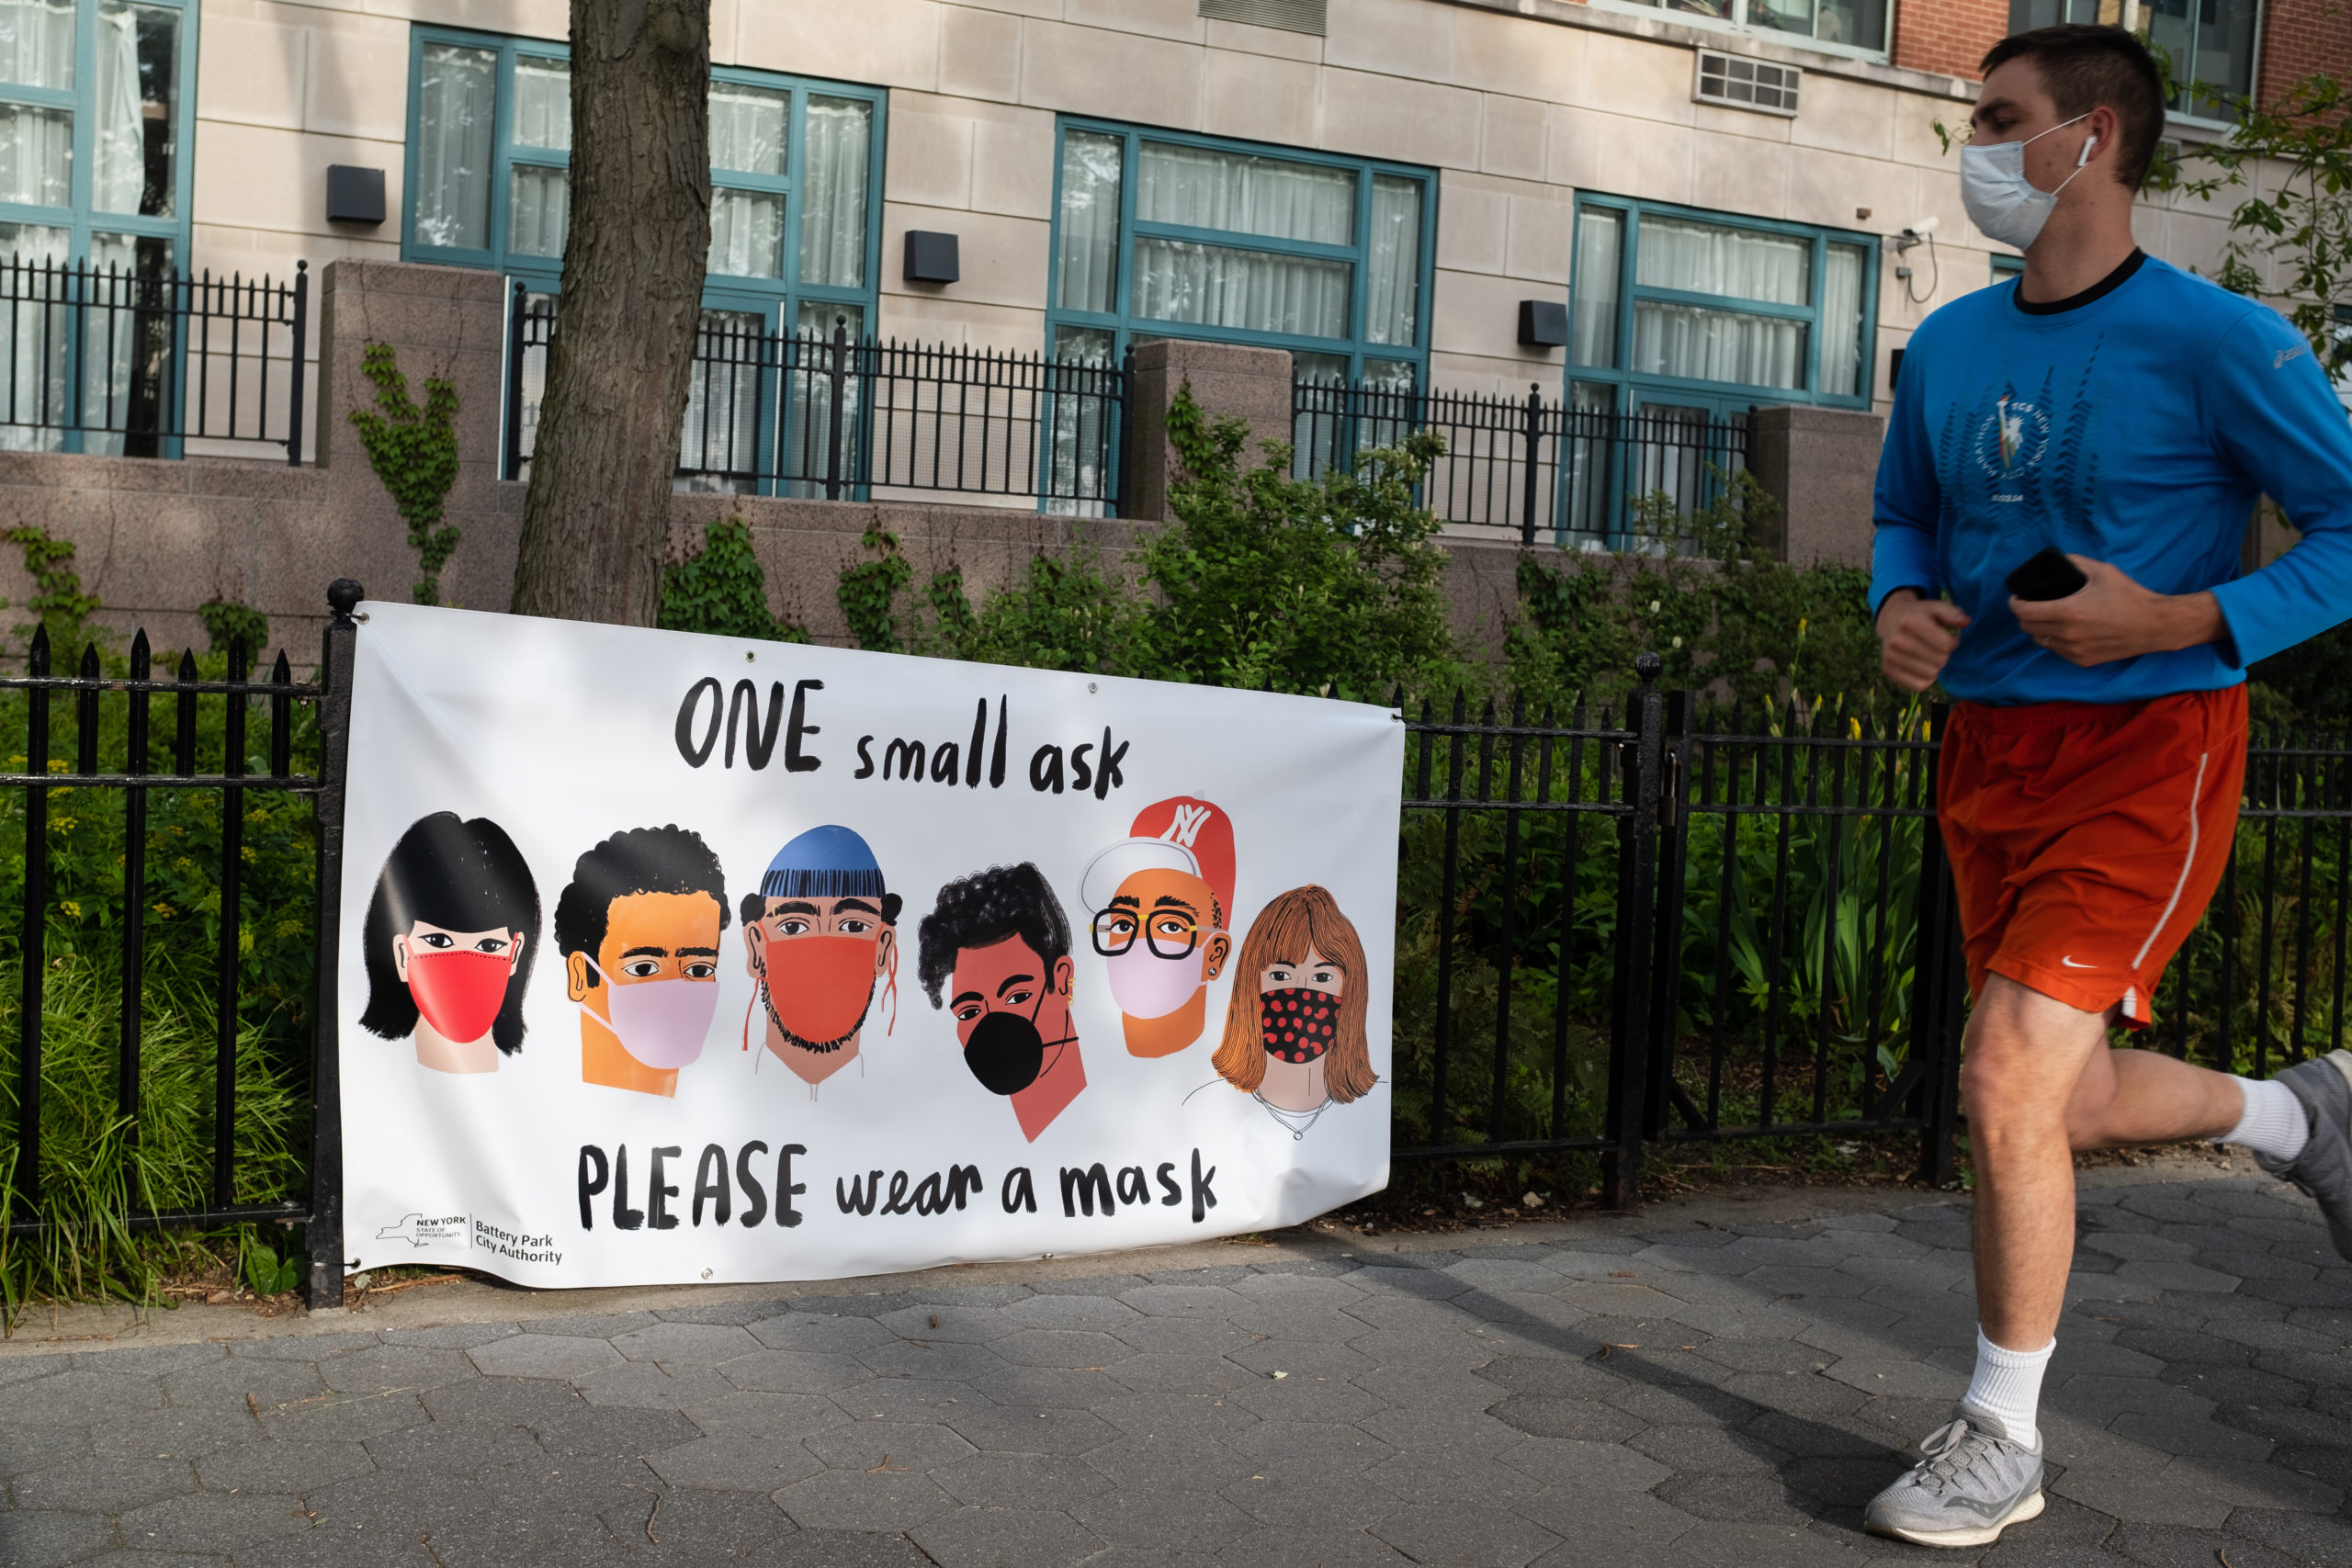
[1842, 321]
[834, 178]
[1717, 345]
[36, 338]
[456, 104]
[810, 396]
[111, 349]
[37, 43]
[538, 211]
[748, 127]
[746, 233]
[1202, 188]
[1710, 258]
[543, 103]
[1216, 286]
[1087, 239]
[1601, 238]
[118, 167]
[719, 445]
[36, 155]
[1393, 269]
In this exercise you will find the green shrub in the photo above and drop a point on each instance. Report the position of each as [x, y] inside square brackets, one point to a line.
[228, 622]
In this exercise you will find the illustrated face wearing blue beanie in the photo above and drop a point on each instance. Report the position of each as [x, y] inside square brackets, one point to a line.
[819, 935]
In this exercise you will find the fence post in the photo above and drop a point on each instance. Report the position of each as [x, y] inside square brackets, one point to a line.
[323, 1233]
[1621, 1164]
[296, 369]
[835, 377]
[512, 467]
[1667, 945]
[1941, 976]
[1535, 432]
[1124, 452]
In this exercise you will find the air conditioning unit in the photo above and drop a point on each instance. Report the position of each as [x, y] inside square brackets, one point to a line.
[1743, 82]
[1291, 16]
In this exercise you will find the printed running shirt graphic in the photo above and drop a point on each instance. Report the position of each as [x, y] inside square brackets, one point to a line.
[2009, 443]
[2138, 428]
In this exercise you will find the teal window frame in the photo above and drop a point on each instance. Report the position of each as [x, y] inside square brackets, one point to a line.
[2006, 266]
[77, 218]
[1725, 397]
[1126, 327]
[777, 299]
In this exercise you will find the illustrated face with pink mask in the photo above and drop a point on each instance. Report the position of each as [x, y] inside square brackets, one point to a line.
[1157, 917]
[640, 930]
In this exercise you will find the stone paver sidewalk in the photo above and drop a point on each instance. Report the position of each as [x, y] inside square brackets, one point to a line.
[1690, 1387]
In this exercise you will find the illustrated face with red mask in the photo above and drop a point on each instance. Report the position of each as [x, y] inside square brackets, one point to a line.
[818, 964]
[458, 981]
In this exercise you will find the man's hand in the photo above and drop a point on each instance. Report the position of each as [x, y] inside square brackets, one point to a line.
[1915, 637]
[2112, 617]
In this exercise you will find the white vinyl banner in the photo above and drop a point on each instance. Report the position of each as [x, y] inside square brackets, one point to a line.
[670, 958]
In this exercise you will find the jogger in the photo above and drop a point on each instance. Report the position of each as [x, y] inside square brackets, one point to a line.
[2115, 408]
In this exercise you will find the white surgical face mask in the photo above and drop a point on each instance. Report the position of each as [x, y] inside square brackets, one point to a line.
[2000, 200]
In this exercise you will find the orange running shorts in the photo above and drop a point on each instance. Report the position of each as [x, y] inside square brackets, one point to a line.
[2086, 838]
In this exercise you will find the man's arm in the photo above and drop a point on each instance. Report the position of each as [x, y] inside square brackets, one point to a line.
[1917, 630]
[2272, 412]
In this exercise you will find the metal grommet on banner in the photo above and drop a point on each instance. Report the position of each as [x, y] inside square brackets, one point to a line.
[359, 614]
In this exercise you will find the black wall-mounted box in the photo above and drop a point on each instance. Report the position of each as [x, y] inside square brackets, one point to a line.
[931, 257]
[355, 195]
[1543, 324]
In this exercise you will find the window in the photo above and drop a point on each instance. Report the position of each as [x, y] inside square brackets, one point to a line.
[1837, 26]
[1164, 236]
[1682, 321]
[794, 247]
[2211, 44]
[93, 123]
[2005, 268]
[1679, 309]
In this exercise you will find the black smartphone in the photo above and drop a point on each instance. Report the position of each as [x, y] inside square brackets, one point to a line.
[2048, 575]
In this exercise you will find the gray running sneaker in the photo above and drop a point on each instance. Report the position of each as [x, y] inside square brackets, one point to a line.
[2323, 1170]
[1975, 1484]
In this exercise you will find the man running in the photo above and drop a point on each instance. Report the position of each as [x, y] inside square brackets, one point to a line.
[2129, 414]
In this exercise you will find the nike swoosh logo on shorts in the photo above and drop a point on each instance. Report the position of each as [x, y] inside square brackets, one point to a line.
[2072, 964]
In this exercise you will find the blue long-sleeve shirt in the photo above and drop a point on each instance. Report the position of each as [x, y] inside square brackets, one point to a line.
[2137, 429]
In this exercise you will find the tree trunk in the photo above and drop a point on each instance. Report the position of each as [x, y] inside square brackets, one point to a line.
[596, 525]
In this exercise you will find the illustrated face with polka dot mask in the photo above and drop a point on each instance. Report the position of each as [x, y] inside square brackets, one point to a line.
[1298, 1006]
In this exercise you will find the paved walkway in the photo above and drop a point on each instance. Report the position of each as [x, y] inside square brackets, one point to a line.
[1716, 1383]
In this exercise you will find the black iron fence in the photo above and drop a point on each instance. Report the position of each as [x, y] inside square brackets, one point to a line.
[138, 363]
[832, 417]
[176, 924]
[1584, 477]
[1616, 930]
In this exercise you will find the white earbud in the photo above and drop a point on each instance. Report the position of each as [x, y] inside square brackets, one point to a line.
[2089, 143]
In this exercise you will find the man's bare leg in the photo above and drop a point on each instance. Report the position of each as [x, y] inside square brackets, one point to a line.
[2038, 1082]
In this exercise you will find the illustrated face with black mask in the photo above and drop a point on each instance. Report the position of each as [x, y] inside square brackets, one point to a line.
[1012, 1012]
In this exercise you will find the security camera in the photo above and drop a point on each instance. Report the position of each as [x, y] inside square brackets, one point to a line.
[1916, 234]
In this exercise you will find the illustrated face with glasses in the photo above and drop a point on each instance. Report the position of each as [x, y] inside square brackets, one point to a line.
[1162, 940]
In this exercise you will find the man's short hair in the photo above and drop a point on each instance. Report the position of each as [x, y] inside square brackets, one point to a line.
[984, 909]
[641, 860]
[2085, 67]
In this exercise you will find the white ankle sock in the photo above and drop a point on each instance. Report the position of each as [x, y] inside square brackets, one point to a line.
[2007, 1386]
[2273, 1123]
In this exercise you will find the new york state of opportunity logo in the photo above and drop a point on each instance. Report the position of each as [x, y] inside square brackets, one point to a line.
[2010, 441]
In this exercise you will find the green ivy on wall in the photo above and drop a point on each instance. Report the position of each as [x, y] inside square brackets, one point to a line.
[414, 451]
[722, 589]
